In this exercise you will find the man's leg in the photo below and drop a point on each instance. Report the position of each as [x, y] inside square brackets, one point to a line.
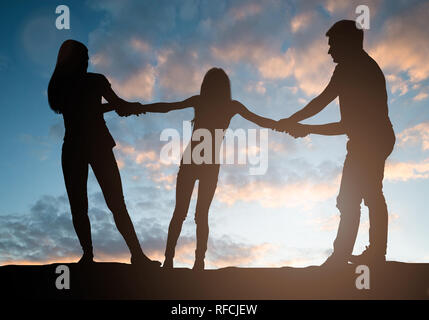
[378, 215]
[348, 203]
[378, 219]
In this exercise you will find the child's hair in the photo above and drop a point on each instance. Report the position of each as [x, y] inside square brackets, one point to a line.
[216, 86]
[72, 61]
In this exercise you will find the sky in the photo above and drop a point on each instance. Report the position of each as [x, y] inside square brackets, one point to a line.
[275, 53]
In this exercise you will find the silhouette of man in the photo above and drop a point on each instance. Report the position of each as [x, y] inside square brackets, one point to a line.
[360, 85]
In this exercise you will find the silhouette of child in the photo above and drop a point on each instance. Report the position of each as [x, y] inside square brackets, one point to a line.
[213, 110]
[76, 94]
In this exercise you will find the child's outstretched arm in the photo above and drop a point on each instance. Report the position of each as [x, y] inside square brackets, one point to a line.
[248, 115]
[163, 107]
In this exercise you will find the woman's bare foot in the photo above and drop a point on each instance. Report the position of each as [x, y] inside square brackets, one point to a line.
[143, 261]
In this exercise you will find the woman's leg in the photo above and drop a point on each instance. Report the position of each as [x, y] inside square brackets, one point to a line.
[75, 171]
[184, 187]
[106, 171]
[206, 190]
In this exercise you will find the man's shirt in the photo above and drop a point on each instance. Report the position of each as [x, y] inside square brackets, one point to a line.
[361, 88]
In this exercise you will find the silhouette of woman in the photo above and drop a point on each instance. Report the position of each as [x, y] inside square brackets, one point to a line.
[213, 110]
[76, 94]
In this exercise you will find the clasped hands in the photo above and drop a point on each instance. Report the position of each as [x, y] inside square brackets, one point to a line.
[132, 108]
[295, 129]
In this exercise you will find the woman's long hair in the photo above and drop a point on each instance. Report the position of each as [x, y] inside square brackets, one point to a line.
[72, 63]
[216, 86]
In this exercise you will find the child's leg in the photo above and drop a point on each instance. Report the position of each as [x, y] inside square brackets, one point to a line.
[206, 190]
[184, 187]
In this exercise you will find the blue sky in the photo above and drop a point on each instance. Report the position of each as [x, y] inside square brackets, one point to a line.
[275, 53]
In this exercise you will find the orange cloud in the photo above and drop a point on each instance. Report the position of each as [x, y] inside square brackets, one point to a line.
[299, 194]
[139, 85]
[417, 134]
[140, 45]
[301, 21]
[180, 72]
[403, 46]
[347, 8]
[397, 84]
[404, 171]
[311, 65]
[277, 67]
[147, 157]
[421, 96]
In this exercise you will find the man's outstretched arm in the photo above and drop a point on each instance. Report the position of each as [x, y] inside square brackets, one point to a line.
[313, 107]
[329, 129]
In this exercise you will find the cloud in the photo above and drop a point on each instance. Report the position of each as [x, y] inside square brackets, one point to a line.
[100, 60]
[42, 235]
[331, 223]
[309, 65]
[327, 223]
[228, 36]
[239, 51]
[301, 21]
[305, 193]
[257, 87]
[227, 252]
[335, 5]
[138, 85]
[421, 96]
[140, 45]
[245, 10]
[419, 134]
[313, 67]
[404, 171]
[46, 235]
[403, 45]
[346, 9]
[397, 84]
[180, 71]
[277, 67]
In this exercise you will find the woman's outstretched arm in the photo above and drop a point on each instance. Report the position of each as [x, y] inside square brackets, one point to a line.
[248, 115]
[107, 107]
[122, 107]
